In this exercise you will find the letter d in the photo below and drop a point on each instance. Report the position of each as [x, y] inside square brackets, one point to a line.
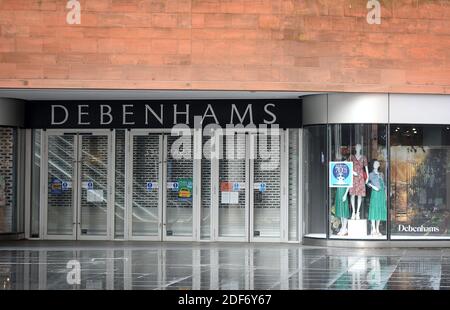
[54, 122]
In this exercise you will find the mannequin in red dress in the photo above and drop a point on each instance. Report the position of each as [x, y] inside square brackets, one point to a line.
[359, 183]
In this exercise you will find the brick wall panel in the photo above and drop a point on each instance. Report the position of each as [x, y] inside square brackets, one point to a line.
[209, 41]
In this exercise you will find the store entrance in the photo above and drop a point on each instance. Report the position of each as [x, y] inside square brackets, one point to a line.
[77, 182]
[248, 206]
[160, 186]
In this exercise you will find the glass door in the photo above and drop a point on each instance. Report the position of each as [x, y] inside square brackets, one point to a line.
[266, 184]
[77, 182]
[145, 216]
[161, 185]
[94, 149]
[232, 216]
[60, 160]
[248, 205]
[179, 189]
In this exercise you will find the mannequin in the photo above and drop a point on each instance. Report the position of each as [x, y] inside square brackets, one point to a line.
[377, 207]
[359, 188]
[342, 209]
[341, 204]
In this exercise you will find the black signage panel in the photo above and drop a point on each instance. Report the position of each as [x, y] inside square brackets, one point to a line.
[162, 114]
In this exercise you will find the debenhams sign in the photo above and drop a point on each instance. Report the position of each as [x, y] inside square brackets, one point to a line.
[162, 114]
[418, 229]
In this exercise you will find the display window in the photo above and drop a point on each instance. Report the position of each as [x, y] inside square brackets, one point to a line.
[420, 182]
[346, 181]
[358, 208]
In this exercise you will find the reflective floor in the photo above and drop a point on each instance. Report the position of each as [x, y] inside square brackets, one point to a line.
[119, 266]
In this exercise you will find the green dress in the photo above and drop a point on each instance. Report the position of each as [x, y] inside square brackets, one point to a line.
[377, 206]
[342, 210]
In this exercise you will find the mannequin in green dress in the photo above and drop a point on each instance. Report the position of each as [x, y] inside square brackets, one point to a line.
[341, 203]
[377, 207]
[342, 210]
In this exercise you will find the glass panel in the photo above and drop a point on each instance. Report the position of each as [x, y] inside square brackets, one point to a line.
[293, 184]
[61, 162]
[232, 184]
[229, 276]
[94, 189]
[119, 185]
[101, 272]
[268, 269]
[315, 180]
[360, 211]
[267, 185]
[177, 269]
[52, 263]
[420, 182]
[7, 180]
[35, 183]
[148, 264]
[180, 168]
[206, 189]
[145, 216]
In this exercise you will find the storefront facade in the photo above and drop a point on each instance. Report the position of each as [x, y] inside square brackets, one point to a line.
[228, 170]
[100, 140]
[198, 170]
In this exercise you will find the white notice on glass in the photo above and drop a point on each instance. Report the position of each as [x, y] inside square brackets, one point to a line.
[225, 197]
[87, 185]
[234, 198]
[95, 195]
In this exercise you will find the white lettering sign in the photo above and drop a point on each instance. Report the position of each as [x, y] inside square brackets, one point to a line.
[66, 113]
[424, 229]
[241, 118]
[104, 113]
[81, 113]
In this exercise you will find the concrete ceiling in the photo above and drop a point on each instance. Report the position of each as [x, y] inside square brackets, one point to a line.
[89, 94]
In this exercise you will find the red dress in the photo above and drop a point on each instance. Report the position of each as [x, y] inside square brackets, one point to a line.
[359, 183]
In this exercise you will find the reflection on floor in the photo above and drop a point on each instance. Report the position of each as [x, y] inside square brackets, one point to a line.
[369, 237]
[113, 265]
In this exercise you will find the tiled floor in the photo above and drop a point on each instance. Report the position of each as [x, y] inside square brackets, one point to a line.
[115, 265]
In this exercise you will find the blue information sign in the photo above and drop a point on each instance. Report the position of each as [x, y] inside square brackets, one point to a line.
[55, 186]
[262, 187]
[341, 174]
